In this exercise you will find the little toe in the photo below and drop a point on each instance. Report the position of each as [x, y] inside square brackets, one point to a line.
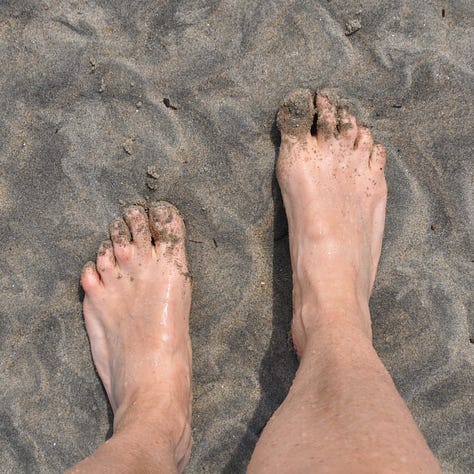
[105, 259]
[90, 279]
[296, 114]
[347, 126]
[327, 121]
[378, 157]
[120, 236]
[364, 142]
[137, 221]
[167, 227]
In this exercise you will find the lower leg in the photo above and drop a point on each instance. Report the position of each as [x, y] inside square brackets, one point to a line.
[138, 447]
[343, 412]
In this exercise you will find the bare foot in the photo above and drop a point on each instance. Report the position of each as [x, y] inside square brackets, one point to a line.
[334, 191]
[136, 310]
[342, 412]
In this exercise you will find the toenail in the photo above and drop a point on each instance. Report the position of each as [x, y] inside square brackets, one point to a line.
[89, 265]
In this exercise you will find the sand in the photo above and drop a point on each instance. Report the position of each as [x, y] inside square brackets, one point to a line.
[106, 103]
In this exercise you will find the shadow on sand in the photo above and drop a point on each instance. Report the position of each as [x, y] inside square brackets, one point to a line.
[279, 363]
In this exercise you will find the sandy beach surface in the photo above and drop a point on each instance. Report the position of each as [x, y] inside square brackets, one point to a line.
[106, 103]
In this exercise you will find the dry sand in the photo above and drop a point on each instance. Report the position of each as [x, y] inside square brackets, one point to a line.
[110, 102]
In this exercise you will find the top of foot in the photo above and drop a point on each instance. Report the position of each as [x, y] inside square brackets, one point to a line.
[136, 310]
[334, 191]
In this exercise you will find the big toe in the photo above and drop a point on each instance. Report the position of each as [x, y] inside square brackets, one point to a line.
[167, 228]
[296, 114]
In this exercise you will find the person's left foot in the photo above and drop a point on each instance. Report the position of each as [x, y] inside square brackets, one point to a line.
[136, 310]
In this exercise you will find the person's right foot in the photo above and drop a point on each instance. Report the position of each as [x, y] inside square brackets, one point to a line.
[136, 310]
[334, 192]
[342, 412]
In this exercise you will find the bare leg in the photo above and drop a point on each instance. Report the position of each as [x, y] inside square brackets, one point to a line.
[343, 413]
[136, 310]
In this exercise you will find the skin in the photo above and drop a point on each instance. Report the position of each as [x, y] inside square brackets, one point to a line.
[136, 310]
[343, 412]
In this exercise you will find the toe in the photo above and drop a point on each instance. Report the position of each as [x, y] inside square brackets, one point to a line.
[167, 226]
[378, 157]
[120, 236]
[364, 142]
[137, 221]
[90, 279]
[347, 126]
[105, 258]
[296, 114]
[327, 122]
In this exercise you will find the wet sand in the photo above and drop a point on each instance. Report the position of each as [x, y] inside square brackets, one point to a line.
[110, 103]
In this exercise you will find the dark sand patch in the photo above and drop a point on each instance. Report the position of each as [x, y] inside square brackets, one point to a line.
[197, 85]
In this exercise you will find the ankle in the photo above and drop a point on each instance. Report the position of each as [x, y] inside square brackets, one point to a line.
[313, 320]
[148, 453]
[158, 425]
